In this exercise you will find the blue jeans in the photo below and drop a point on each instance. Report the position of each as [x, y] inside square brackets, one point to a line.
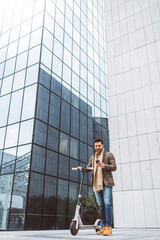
[104, 200]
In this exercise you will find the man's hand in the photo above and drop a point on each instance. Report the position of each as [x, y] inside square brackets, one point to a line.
[100, 164]
[79, 168]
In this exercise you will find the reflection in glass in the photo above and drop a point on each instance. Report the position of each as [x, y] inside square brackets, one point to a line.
[9, 67]
[26, 132]
[6, 85]
[42, 104]
[21, 61]
[63, 166]
[38, 159]
[19, 198]
[54, 110]
[40, 133]
[65, 116]
[2, 134]
[74, 148]
[12, 135]
[5, 196]
[74, 122]
[8, 161]
[4, 105]
[15, 107]
[64, 143]
[19, 80]
[32, 74]
[23, 44]
[53, 138]
[51, 163]
[23, 158]
[29, 102]
[62, 204]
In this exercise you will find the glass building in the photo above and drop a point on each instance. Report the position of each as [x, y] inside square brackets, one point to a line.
[133, 63]
[53, 104]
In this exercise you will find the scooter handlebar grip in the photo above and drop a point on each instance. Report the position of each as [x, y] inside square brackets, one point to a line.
[74, 168]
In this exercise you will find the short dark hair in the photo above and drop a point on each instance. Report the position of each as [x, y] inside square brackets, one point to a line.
[98, 140]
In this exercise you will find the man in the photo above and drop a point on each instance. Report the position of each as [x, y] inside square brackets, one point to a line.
[103, 163]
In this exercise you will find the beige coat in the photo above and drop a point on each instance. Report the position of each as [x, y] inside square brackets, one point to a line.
[109, 166]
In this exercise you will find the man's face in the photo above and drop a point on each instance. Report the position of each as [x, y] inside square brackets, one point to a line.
[98, 146]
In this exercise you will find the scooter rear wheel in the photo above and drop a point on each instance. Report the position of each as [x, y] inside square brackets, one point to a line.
[73, 229]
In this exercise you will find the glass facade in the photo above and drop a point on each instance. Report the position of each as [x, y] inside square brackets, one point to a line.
[133, 58]
[53, 104]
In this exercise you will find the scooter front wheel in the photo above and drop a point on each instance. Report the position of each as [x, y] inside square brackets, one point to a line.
[98, 223]
[73, 229]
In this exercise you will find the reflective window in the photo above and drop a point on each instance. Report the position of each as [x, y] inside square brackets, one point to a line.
[68, 42]
[35, 193]
[74, 148]
[56, 84]
[58, 48]
[23, 158]
[57, 66]
[12, 49]
[83, 152]
[74, 122]
[74, 175]
[15, 107]
[53, 138]
[64, 143]
[40, 133]
[54, 110]
[19, 80]
[65, 116]
[49, 23]
[25, 27]
[46, 57]
[32, 74]
[19, 199]
[14, 33]
[12, 135]
[21, 61]
[83, 88]
[8, 162]
[26, 132]
[29, 102]
[38, 159]
[75, 81]
[47, 38]
[42, 103]
[66, 74]
[59, 18]
[75, 98]
[38, 20]
[67, 57]
[83, 127]
[9, 67]
[5, 197]
[6, 85]
[62, 204]
[51, 163]
[23, 44]
[4, 106]
[2, 134]
[58, 32]
[66, 92]
[50, 190]
[75, 65]
[63, 166]
[34, 54]
[36, 37]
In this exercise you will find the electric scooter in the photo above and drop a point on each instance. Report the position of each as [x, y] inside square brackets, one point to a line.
[77, 223]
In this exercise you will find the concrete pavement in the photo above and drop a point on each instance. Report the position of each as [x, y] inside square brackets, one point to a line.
[118, 234]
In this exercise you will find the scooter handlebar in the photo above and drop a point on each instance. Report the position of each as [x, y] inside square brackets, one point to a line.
[87, 169]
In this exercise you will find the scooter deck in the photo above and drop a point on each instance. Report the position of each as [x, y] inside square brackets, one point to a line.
[88, 227]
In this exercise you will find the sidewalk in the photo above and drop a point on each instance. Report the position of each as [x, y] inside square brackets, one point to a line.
[118, 234]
